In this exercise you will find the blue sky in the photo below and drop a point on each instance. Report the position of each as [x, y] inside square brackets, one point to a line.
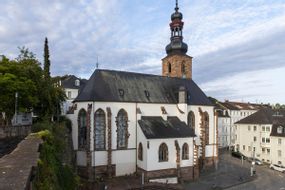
[238, 46]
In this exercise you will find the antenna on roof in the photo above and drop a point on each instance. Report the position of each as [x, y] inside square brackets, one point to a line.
[97, 63]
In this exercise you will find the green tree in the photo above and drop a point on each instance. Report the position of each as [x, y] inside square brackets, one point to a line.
[25, 76]
[46, 61]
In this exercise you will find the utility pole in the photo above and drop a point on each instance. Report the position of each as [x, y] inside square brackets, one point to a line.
[16, 107]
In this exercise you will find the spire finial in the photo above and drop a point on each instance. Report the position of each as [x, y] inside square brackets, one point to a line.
[176, 6]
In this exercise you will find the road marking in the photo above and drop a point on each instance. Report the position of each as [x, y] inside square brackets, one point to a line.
[280, 176]
[282, 188]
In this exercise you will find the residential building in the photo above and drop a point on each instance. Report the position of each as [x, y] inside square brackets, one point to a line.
[72, 85]
[224, 128]
[262, 135]
[236, 112]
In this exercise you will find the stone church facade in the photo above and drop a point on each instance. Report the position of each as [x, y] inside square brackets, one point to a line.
[162, 126]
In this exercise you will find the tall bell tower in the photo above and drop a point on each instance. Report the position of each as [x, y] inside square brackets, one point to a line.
[177, 63]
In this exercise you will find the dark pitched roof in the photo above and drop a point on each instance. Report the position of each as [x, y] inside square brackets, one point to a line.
[158, 128]
[69, 82]
[119, 86]
[274, 130]
[265, 116]
[242, 105]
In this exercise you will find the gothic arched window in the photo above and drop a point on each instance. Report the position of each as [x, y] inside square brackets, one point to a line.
[82, 129]
[191, 119]
[185, 151]
[206, 124]
[169, 68]
[163, 153]
[122, 129]
[140, 152]
[99, 130]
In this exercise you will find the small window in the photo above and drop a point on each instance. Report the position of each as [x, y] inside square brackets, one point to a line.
[121, 92]
[279, 141]
[140, 152]
[280, 130]
[169, 67]
[163, 153]
[77, 82]
[254, 139]
[147, 93]
[243, 147]
[248, 128]
[267, 140]
[268, 129]
[249, 148]
[185, 151]
[254, 128]
[263, 150]
[69, 94]
[263, 139]
[279, 163]
[268, 151]
[263, 128]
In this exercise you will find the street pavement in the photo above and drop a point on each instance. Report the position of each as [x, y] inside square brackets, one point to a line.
[267, 179]
[233, 174]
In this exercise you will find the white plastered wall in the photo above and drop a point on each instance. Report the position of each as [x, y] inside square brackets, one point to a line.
[126, 160]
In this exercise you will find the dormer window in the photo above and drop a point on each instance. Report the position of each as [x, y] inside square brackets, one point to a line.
[147, 93]
[121, 92]
[280, 130]
[77, 82]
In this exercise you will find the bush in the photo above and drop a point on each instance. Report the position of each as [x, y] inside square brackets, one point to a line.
[51, 173]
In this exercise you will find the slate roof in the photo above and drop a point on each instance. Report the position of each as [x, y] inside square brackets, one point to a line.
[120, 86]
[155, 127]
[265, 116]
[69, 82]
[242, 106]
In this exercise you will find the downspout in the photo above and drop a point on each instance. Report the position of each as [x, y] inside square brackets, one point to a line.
[136, 137]
[93, 140]
[214, 127]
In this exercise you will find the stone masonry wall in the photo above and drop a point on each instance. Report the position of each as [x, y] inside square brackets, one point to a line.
[176, 64]
[17, 131]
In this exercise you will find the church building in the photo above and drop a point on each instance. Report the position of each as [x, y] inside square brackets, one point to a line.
[162, 126]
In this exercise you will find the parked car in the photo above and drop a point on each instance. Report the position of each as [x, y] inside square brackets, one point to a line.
[238, 154]
[277, 168]
[255, 161]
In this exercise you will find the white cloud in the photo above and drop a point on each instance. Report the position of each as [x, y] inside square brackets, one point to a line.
[225, 38]
[255, 86]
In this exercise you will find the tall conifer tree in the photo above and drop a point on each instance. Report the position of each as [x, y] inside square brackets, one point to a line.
[46, 61]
